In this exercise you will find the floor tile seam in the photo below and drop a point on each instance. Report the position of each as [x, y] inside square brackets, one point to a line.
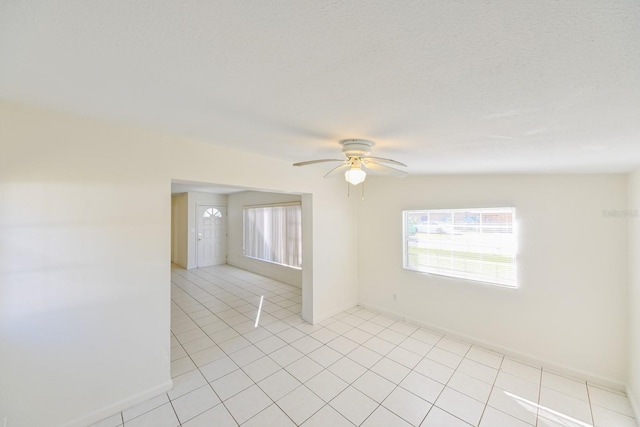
[209, 382]
[230, 413]
[539, 406]
[372, 412]
[209, 336]
[198, 369]
[254, 383]
[246, 289]
[612, 410]
[171, 399]
[348, 384]
[469, 396]
[220, 401]
[208, 292]
[176, 413]
[444, 366]
[314, 393]
[493, 386]
[447, 384]
[513, 416]
[363, 421]
[605, 388]
[205, 307]
[396, 345]
[449, 413]
[324, 368]
[281, 410]
[540, 399]
[500, 410]
[397, 385]
[481, 363]
[281, 368]
[593, 420]
[587, 401]
[148, 411]
[398, 415]
[314, 375]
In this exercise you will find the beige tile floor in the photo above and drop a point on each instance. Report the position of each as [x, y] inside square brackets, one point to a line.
[356, 368]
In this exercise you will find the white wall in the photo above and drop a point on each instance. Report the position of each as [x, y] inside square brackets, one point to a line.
[634, 291]
[235, 255]
[84, 267]
[569, 311]
[196, 198]
[179, 229]
[84, 259]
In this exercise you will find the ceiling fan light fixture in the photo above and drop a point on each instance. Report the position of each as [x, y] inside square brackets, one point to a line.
[358, 162]
[355, 175]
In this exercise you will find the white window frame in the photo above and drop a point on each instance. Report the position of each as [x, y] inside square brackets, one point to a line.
[438, 241]
[286, 250]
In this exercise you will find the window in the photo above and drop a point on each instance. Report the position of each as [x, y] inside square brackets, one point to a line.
[212, 212]
[475, 244]
[274, 234]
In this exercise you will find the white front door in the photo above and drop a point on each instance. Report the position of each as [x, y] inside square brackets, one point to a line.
[211, 235]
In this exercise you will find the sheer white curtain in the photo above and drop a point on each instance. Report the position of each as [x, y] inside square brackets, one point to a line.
[274, 234]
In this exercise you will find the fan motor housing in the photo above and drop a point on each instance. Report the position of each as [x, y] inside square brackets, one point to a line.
[356, 147]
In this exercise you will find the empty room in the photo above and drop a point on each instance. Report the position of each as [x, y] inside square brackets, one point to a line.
[284, 213]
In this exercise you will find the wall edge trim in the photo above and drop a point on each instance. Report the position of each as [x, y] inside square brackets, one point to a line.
[121, 405]
[324, 316]
[523, 357]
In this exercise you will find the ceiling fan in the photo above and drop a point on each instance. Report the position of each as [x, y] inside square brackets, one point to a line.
[359, 163]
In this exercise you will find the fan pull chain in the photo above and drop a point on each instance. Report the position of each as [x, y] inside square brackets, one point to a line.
[361, 189]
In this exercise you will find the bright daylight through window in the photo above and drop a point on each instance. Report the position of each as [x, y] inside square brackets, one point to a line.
[273, 234]
[474, 244]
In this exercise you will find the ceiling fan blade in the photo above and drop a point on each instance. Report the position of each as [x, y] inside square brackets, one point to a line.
[335, 171]
[311, 162]
[383, 160]
[378, 169]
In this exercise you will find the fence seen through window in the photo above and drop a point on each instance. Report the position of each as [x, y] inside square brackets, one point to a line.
[475, 244]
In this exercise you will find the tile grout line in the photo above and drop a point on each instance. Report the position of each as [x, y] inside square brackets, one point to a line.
[174, 411]
[239, 367]
[493, 385]
[397, 385]
[434, 400]
[198, 368]
[447, 383]
[539, 399]
[368, 369]
[240, 292]
[593, 421]
[205, 378]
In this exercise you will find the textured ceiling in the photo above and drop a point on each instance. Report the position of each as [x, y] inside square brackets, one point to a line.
[444, 86]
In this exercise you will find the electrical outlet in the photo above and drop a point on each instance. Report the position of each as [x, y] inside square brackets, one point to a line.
[395, 297]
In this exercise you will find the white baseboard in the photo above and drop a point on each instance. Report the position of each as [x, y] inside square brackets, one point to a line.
[320, 318]
[635, 404]
[523, 357]
[121, 405]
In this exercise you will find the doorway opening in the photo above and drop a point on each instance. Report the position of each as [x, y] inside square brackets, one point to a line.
[207, 229]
